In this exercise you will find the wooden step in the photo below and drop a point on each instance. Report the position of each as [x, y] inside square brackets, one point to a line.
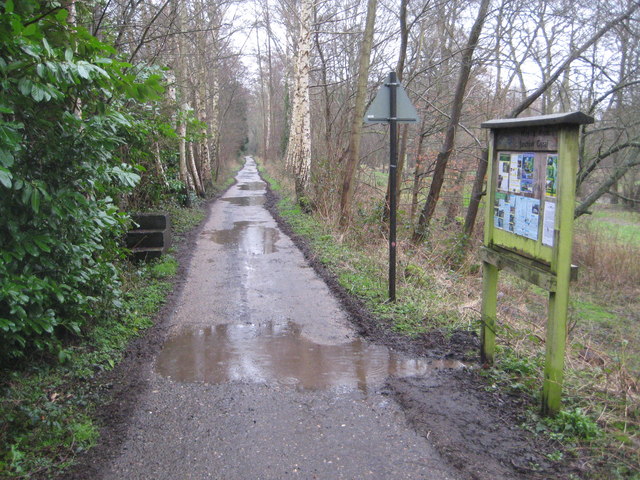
[147, 238]
[151, 221]
[151, 237]
[146, 254]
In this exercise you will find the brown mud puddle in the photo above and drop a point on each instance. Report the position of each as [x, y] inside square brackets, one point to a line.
[279, 353]
[250, 237]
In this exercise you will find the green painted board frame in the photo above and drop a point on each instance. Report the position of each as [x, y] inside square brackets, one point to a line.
[544, 257]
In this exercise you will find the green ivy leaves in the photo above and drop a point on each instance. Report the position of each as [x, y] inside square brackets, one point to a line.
[64, 103]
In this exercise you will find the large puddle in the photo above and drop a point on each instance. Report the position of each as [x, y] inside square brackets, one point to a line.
[279, 353]
[253, 186]
[249, 237]
[247, 201]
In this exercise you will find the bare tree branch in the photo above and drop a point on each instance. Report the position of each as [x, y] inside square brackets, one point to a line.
[526, 103]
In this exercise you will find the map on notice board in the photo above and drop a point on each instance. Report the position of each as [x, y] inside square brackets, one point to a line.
[517, 214]
[523, 180]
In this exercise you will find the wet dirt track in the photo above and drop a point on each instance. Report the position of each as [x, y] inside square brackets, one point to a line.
[262, 376]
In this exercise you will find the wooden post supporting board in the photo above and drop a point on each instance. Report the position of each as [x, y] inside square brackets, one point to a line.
[489, 276]
[560, 266]
[488, 313]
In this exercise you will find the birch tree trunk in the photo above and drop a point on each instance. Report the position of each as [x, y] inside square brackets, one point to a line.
[298, 156]
[353, 157]
[159, 167]
[193, 170]
[267, 92]
[214, 127]
[213, 89]
[182, 136]
[271, 141]
[178, 69]
[205, 154]
[266, 126]
[198, 70]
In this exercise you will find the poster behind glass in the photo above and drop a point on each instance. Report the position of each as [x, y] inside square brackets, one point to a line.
[524, 180]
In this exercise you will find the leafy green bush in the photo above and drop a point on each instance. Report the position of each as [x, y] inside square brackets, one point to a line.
[61, 169]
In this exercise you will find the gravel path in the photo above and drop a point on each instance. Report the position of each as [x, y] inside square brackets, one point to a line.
[262, 377]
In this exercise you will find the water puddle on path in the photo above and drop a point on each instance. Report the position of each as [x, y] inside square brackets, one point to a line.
[250, 237]
[279, 353]
[252, 186]
[248, 201]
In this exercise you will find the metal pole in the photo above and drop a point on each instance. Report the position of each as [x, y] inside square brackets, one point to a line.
[393, 163]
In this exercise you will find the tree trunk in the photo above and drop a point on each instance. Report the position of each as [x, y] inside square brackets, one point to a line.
[182, 138]
[178, 69]
[205, 154]
[270, 90]
[476, 194]
[418, 173]
[455, 199]
[456, 109]
[298, 157]
[402, 159]
[353, 157]
[266, 128]
[193, 170]
[329, 147]
[404, 131]
[159, 167]
[214, 113]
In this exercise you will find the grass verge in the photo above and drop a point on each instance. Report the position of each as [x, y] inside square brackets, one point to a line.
[47, 407]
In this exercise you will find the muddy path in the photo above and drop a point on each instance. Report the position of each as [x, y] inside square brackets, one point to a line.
[262, 368]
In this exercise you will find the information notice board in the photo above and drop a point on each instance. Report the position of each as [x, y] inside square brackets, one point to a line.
[526, 166]
[528, 228]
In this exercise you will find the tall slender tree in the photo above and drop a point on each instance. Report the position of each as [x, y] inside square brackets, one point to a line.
[353, 154]
[298, 156]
